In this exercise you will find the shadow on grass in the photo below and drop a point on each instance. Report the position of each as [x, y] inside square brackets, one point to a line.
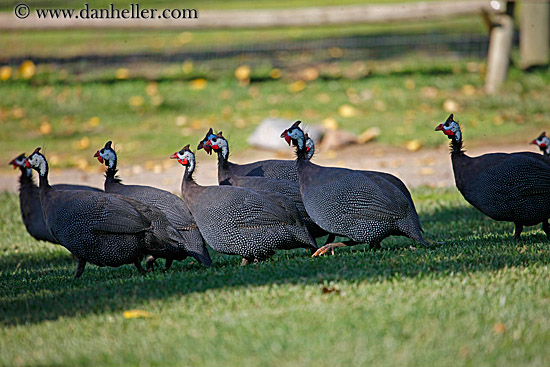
[35, 289]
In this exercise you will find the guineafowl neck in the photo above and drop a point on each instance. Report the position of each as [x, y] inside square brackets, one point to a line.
[223, 168]
[110, 176]
[43, 182]
[456, 147]
[26, 176]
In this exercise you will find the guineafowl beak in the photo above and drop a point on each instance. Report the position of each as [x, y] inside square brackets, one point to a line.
[98, 156]
[286, 137]
[535, 142]
[174, 156]
[13, 163]
[439, 127]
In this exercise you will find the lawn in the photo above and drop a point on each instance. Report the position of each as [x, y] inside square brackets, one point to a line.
[477, 299]
[149, 119]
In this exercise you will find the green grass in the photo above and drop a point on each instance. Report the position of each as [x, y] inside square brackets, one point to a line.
[405, 99]
[479, 299]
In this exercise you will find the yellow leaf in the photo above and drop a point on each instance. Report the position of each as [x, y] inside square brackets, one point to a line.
[330, 123]
[242, 72]
[5, 73]
[83, 143]
[413, 145]
[276, 73]
[368, 135]
[310, 74]
[133, 314]
[136, 101]
[45, 128]
[122, 73]
[451, 105]
[198, 84]
[297, 86]
[346, 110]
[184, 37]
[27, 69]
[468, 90]
[94, 121]
[499, 328]
[151, 89]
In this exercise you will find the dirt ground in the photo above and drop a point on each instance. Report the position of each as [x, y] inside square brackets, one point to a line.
[425, 167]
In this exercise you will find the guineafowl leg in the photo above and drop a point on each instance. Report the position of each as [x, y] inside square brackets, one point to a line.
[80, 268]
[142, 271]
[330, 239]
[546, 228]
[150, 263]
[168, 263]
[519, 229]
[330, 247]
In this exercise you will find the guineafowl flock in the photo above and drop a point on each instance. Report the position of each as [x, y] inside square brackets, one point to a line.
[265, 206]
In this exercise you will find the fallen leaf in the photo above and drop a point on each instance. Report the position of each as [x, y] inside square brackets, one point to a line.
[276, 73]
[27, 69]
[133, 314]
[451, 105]
[410, 84]
[136, 101]
[5, 73]
[198, 84]
[310, 73]
[427, 171]
[330, 123]
[335, 52]
[330, 290]
[184, 37]
[45, 128]
[413, 145]
[368, 135]
[152, 89]
[83, 143]
[346, 110]
[122, 73]
[242, 72]
[499, 328]
[94, 121]
[468, 90]
[297, 86]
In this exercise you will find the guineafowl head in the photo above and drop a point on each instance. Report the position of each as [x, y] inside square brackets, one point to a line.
[185, 157]
[543, 143]
[38, 162]
[107, 155]
[19, 161]
[450, 128]
[210, 134]
[295, 135]
[219, 144]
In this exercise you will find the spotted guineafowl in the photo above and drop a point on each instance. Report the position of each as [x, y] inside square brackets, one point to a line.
[349, 203]
[272, 168]
[543, 142]
[173, 207]
[100, 228]
[287, 188]
[506, 187]
[29, 201]
[239, 221]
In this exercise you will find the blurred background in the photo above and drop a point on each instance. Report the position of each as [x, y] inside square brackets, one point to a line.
[374, 74]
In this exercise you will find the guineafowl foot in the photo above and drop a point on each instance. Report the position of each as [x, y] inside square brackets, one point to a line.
[140, 268]
[546, 228]
[79, 268]
[329, 247]
[150, 263]
[517, 234]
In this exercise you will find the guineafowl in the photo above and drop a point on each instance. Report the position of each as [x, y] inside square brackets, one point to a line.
[29, 201]
[173, 207]
[543, 142]
[349, 203]
[238, 221]
[100, 228]
[272, 168]
[287, 188]
[511, 187]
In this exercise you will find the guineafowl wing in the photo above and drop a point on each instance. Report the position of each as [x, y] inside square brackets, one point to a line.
[115, 214]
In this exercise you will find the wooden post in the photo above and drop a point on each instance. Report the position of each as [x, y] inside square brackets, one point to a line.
[534, 33]
[500, 47]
